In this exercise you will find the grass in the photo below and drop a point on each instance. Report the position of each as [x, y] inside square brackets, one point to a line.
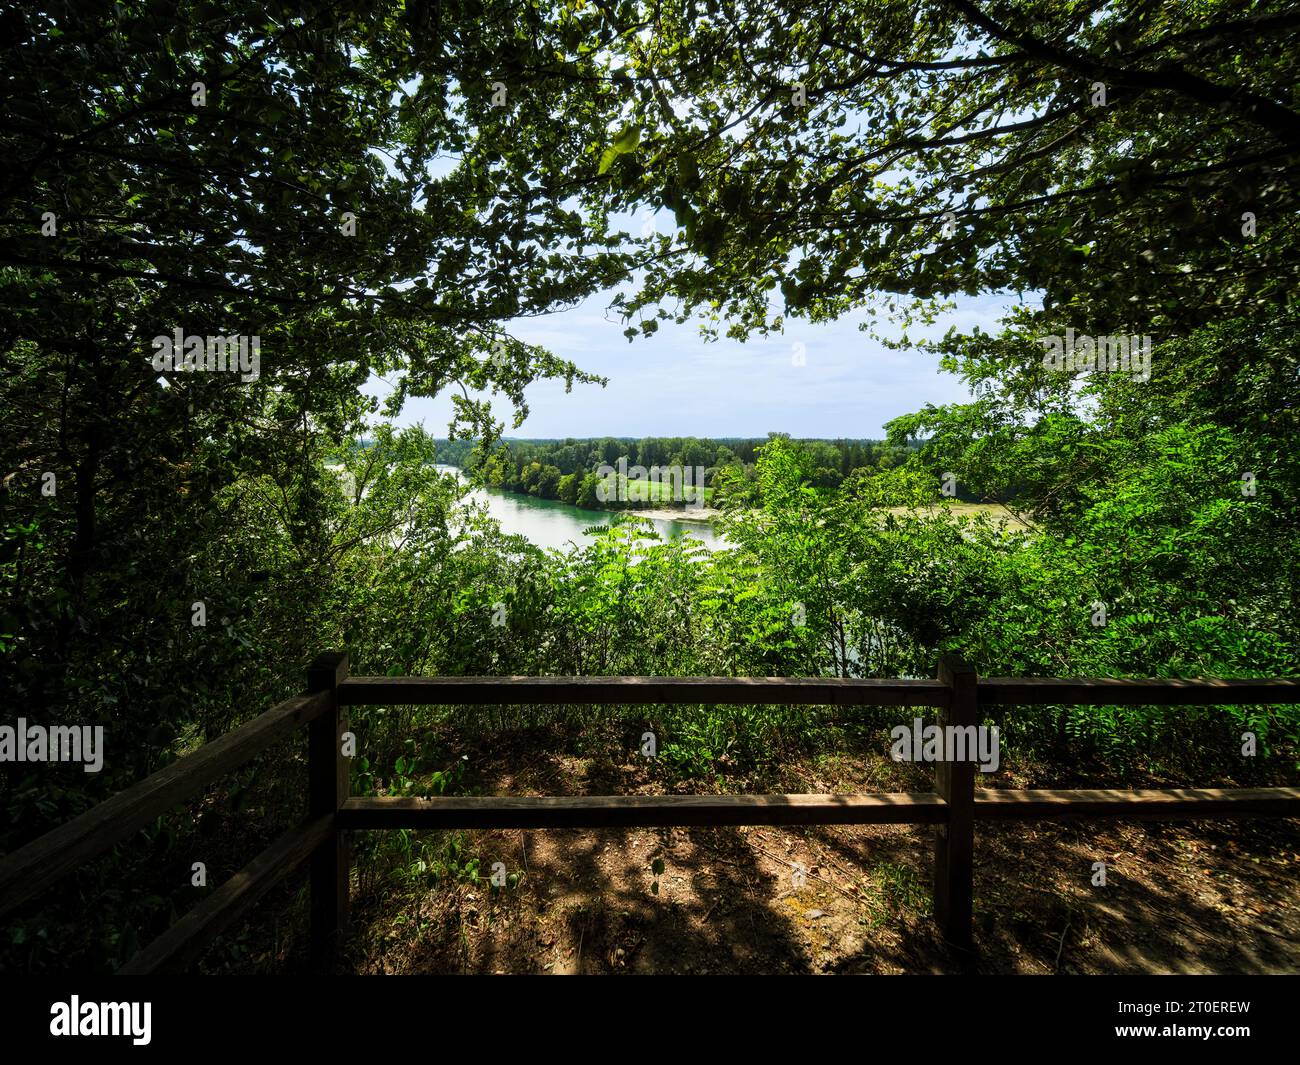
[669, 490]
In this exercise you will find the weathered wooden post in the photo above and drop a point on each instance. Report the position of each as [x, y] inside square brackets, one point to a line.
[328, 786]
[954, 852]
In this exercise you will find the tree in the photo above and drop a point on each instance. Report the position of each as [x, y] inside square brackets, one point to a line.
[1107, 158]
[265, 172]
[587, 497]
[548, 482]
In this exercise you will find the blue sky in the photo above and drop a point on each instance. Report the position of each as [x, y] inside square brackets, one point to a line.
[674, 383]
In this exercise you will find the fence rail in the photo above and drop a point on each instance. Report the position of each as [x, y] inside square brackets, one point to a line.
[322, 839]
[558, 691]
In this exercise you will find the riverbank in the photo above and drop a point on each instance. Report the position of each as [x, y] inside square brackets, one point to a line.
[697, 515]
[693, 514]
[552, 523]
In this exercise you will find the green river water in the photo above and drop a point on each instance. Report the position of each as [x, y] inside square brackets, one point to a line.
[550, 523]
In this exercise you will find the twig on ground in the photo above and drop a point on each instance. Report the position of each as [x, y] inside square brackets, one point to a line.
[1056, 967]
[861, 897]
[814, 876]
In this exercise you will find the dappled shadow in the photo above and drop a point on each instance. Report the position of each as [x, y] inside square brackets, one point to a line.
[1203, 897]
[1180, 897]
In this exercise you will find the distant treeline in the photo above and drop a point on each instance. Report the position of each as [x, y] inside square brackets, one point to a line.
[567, 469]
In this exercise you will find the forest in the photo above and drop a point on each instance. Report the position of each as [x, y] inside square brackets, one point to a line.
[567, 469]
[386, 191]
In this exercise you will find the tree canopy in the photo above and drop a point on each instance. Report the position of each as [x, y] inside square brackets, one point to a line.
[1133, 164]
[367, 193]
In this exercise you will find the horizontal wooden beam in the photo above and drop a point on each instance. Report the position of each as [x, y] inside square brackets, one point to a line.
[1014, 804]
[641, 811]
[185, 941]
[561, 691]
[827, 691]
[1136, 691]
[32, 868]
[991, 804]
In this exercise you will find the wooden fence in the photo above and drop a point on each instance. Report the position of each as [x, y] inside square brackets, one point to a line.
[953, 807]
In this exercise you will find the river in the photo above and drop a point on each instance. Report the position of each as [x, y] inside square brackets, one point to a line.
[550, 523]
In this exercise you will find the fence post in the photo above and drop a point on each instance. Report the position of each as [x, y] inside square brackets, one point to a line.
[954, 852]
[328, 786]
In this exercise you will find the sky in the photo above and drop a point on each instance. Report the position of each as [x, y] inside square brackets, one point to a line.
[674, 383]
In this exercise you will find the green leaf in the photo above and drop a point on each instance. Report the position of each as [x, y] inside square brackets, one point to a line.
[625, 142]
[628, 139]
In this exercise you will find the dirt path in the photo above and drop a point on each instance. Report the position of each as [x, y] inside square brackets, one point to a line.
[1207, 897]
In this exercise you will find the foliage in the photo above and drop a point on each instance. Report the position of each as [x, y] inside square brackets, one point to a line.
[568, 469]
[340, 182]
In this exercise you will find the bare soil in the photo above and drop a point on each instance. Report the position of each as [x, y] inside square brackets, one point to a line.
[1192, 897]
